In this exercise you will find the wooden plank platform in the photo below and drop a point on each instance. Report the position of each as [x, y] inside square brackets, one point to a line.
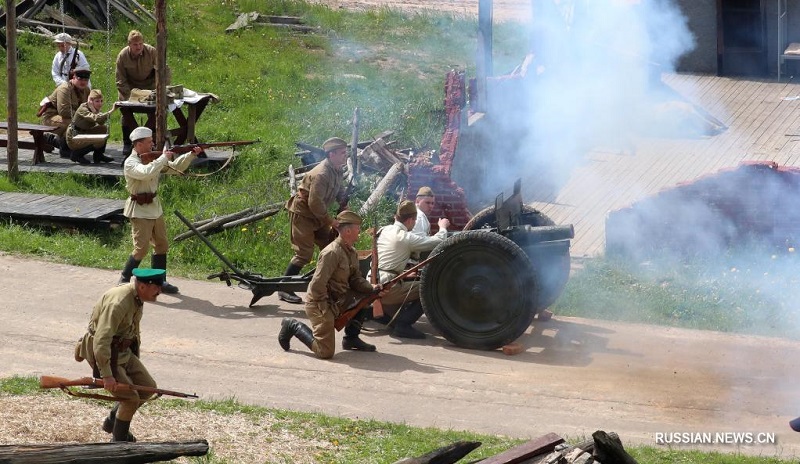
[60, 209]
[763, 119]
[55, 164]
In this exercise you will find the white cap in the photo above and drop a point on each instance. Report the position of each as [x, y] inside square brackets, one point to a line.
[141, 133]
[63, 38]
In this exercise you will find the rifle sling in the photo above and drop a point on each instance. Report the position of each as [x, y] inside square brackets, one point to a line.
[96, 396]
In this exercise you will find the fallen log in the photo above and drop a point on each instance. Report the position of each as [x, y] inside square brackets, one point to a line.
[444, 455]
[608, 449]
[278, 207]
[292, 181]
[107, 453]
[380, 190]
[215, 223]
[518, 454]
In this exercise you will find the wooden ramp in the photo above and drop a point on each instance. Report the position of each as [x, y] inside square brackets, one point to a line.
[57, 165]
[77, 211]
[763, 119]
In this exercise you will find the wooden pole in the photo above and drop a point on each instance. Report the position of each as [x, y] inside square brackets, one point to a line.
[161, 72]
[483, 65]
[12, 149]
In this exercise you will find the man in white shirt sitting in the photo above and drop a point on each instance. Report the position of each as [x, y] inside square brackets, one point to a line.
[65, 59]
[395, 244]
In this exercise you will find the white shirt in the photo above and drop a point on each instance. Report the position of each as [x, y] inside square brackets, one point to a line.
[423, 225]
[143, 178]
[61, 63]
[395, 245]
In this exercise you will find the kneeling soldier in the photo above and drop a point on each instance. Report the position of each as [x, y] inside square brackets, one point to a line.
[111, 346]
[335, 287]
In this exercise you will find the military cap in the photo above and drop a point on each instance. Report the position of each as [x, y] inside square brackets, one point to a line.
[425, 192]
[348, 217]
[333, 143]
[83, 71]
[150, 276]
[406, 208]
[63, 38]
[141, 133]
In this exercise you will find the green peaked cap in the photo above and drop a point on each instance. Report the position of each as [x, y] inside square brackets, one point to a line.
[150, 276]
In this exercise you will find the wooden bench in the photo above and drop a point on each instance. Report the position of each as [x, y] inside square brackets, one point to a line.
[37, 132]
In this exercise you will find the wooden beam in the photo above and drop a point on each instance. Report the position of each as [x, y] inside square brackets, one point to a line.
[142, 9]
[11, 71]
[544, 444]
[63, 18]
[37, 6]
[85, 8]
[161, 72]
[125, 11]
[64, 26]
[109, 453]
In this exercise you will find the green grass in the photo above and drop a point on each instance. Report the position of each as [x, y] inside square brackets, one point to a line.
[360, 441]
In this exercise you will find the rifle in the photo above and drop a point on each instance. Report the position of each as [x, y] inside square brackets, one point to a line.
[179, 149]
[345, 317]
[74, 63]
[377, 306]
[47, 381]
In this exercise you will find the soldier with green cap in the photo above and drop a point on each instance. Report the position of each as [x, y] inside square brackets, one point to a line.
[111, 346]
[336, 286]
[395, 245]
[309, 221]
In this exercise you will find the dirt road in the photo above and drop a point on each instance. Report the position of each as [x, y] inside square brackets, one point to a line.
[576, 375]
[502, 10]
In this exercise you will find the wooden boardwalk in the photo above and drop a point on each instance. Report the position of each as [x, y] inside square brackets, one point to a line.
[61, 209]
[763, 125]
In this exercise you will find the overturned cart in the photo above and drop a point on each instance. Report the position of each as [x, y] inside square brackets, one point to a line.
[486, 283]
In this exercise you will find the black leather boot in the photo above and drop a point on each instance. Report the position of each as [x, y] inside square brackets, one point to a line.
[99, 156]
[127, 145]
[160, 262]
[127, 271]
[409, 314]
[352, 330]
[108, 422]
[291, 297]
[122, 431]
[78, 155]
[294, 328]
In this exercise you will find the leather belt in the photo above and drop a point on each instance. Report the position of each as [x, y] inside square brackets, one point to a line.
[144, 198]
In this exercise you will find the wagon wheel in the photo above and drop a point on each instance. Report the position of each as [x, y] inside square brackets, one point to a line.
[552, 268]
[479, 292]
[486, 218]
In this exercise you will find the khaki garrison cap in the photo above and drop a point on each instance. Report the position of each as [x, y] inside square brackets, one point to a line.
[333, 143]
[425, 192]
[406, 208]
[348, 217]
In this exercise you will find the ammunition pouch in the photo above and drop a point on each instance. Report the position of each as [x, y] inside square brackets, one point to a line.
[144, 198]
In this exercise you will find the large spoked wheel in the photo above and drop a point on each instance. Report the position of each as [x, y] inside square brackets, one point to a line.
[479, 292]
[485, 218]
[551, 266]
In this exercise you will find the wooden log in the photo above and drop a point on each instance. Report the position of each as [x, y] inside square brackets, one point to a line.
[63, 18]
[518, 454]
[130, 14]
[214, 223]
[243, 20]
[108, 453]
[293, 27]
[609, 450]
[380, 190]
[74, 28]
[444, 455]
[37, 5]
[87, 12]
[142, 9]
[254, 217]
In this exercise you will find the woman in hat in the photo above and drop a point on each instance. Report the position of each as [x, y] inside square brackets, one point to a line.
[89, 120]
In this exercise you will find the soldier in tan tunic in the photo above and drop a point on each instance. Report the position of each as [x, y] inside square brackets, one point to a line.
[135, 69]
[143, 208]
[309, 220]
[64, 101]
[88, 119]
[111, 347]
[335, 287]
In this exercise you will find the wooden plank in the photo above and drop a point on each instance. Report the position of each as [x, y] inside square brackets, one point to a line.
[74, 28]
[58, 207]
[543, 444]
[63, 18]
[87, 11]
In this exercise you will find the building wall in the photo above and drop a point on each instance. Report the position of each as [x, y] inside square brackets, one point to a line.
[701, 18]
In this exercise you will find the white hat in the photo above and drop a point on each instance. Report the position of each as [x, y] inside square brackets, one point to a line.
[63, 38]
[141, 133]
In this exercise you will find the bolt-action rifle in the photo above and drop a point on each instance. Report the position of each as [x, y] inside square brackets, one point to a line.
[47, 381]
[180, 149]
[345, 317]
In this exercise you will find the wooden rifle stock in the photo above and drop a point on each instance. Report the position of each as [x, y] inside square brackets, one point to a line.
[340, 322]
[377, 306]
[48, 381]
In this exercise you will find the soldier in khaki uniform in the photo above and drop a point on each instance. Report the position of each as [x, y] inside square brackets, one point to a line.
[335, 287]
[135, 69]
[143, 208]
[111, 347]
[88, 119]
[64, 101]
[308, 210]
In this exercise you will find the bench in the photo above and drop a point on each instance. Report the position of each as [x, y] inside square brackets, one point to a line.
[37, 132]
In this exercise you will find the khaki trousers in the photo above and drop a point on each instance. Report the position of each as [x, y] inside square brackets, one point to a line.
[306, 232]
[147, 231]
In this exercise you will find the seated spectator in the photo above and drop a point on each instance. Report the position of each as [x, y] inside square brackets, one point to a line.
[89, 120]
[67, 58]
